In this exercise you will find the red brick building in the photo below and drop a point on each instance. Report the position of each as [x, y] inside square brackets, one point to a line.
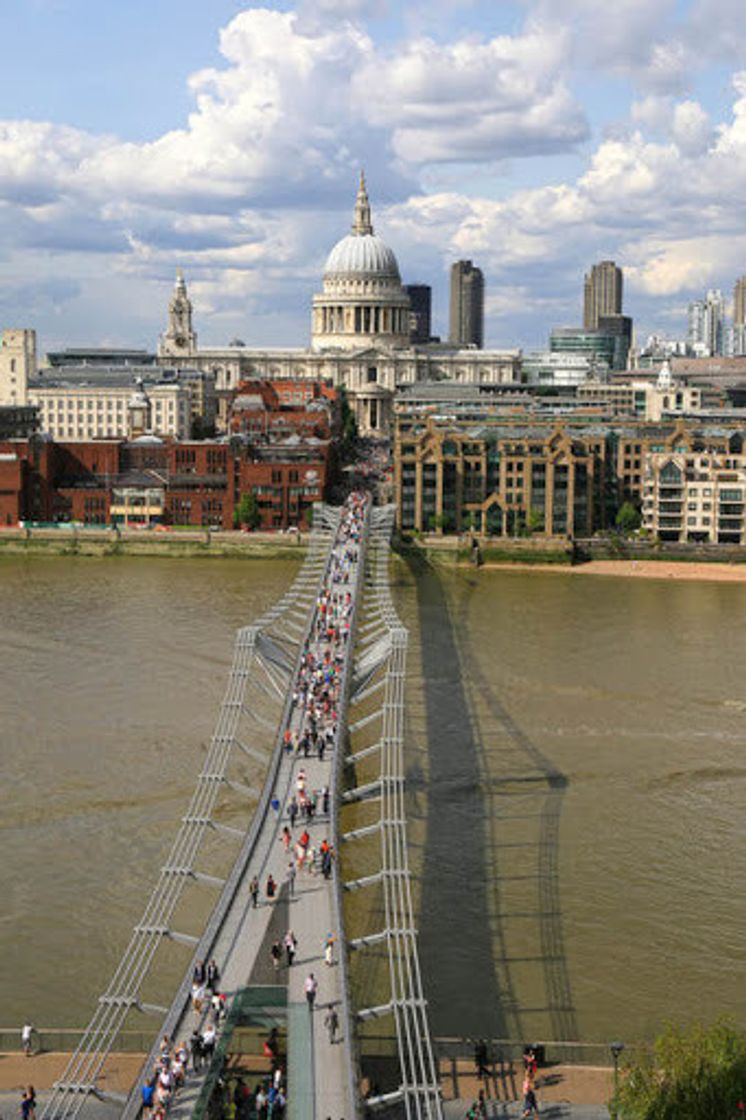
[276, 410]
[151, 481]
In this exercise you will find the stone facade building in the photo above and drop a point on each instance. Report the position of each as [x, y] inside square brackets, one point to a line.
[500, 478]
[100, 405]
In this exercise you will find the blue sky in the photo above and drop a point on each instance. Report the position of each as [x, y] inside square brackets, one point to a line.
[533, 136]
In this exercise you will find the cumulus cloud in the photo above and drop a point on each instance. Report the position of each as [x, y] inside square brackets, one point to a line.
[472, 100]
[253, 188]
[667, 210]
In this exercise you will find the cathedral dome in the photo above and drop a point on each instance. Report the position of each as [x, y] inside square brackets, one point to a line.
[362, 254]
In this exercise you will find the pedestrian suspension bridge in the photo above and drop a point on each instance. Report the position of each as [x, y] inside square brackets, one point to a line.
[231, 835]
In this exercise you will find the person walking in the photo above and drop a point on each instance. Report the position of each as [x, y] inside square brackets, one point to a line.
[329, 949]
[271, 889]
[293, 811]
[276, 954]
[311, 987]
[254, 891]
[195, 1046]
[331, 1022]
[291, 946]
[27, 1038]
[27, 1107]
[290, 876]
[212, 976]
[209, 1037]
[530, 1107]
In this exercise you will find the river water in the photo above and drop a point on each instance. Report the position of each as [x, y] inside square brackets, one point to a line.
[576, 770]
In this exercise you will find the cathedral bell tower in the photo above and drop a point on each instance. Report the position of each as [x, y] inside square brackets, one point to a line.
[180, 338]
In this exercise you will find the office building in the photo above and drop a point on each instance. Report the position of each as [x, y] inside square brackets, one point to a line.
[602, 294]
[466, 324]
[620, 328]
[420, 315]
[596, 345]
[706, 321]
[739, 318]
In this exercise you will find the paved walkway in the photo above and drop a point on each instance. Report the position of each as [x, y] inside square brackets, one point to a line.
[242, 949]
[512, 1110]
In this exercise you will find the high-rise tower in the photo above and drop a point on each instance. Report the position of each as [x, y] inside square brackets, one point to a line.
[706, 321]
[739, 318]
[739, 302]
[420, 318]
[602, 294]
[466, 322]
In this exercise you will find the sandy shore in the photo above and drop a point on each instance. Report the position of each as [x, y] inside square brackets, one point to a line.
[640, 569]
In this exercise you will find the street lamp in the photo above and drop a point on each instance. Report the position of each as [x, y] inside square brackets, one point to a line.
[616, 1049]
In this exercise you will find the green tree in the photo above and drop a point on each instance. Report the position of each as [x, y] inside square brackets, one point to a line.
[535, 521]
[698, 1073]
[349, 427]
[247, 512]
[628, 518]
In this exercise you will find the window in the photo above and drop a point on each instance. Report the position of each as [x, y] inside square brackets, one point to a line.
[372, 375]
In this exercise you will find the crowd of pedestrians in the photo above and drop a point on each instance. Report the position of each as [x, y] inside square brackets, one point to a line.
[312, 734]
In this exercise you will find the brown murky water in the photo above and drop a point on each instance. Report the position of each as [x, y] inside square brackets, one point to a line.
[576, 763]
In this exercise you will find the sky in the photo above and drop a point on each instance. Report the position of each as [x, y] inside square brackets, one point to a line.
[533, 137]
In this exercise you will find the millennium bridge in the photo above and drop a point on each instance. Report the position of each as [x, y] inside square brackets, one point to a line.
[231, 837]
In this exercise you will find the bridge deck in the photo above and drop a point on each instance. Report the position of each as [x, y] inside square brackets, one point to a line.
[320, 1085]
[322, 1074]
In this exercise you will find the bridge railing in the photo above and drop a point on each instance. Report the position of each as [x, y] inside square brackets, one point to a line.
[272, 643]
[381, 672]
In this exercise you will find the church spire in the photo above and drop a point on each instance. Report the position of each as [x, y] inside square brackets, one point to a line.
[362, 223]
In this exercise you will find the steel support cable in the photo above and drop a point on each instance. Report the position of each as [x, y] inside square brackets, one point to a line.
[419, 1072]
[121, 995]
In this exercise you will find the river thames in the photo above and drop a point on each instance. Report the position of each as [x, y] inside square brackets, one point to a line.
[576, 782]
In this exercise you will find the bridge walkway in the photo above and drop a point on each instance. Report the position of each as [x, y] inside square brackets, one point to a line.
[324, 1087]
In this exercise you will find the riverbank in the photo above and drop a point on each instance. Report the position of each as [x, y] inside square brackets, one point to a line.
[639, 569]
[188, 543]
[583, 1085]
[558, 556]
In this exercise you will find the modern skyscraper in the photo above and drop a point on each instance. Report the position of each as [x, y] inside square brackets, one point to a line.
[466, 323]
[420, 317]
[738, 330]
[602, 295]
[739, 302]
[706, 325]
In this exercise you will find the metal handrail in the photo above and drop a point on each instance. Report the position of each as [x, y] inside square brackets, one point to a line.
[352, 1059]
[419, 1088]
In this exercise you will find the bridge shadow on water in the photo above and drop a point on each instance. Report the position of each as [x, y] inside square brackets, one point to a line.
[491, 937]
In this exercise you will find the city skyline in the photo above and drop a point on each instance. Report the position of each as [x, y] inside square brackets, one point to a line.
[486, 135]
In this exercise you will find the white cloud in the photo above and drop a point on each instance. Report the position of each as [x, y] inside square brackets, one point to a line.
[472, 100]
[252, 190]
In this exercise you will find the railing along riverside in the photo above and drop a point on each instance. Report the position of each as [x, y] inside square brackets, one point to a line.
[254, 644]
[382, 668]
